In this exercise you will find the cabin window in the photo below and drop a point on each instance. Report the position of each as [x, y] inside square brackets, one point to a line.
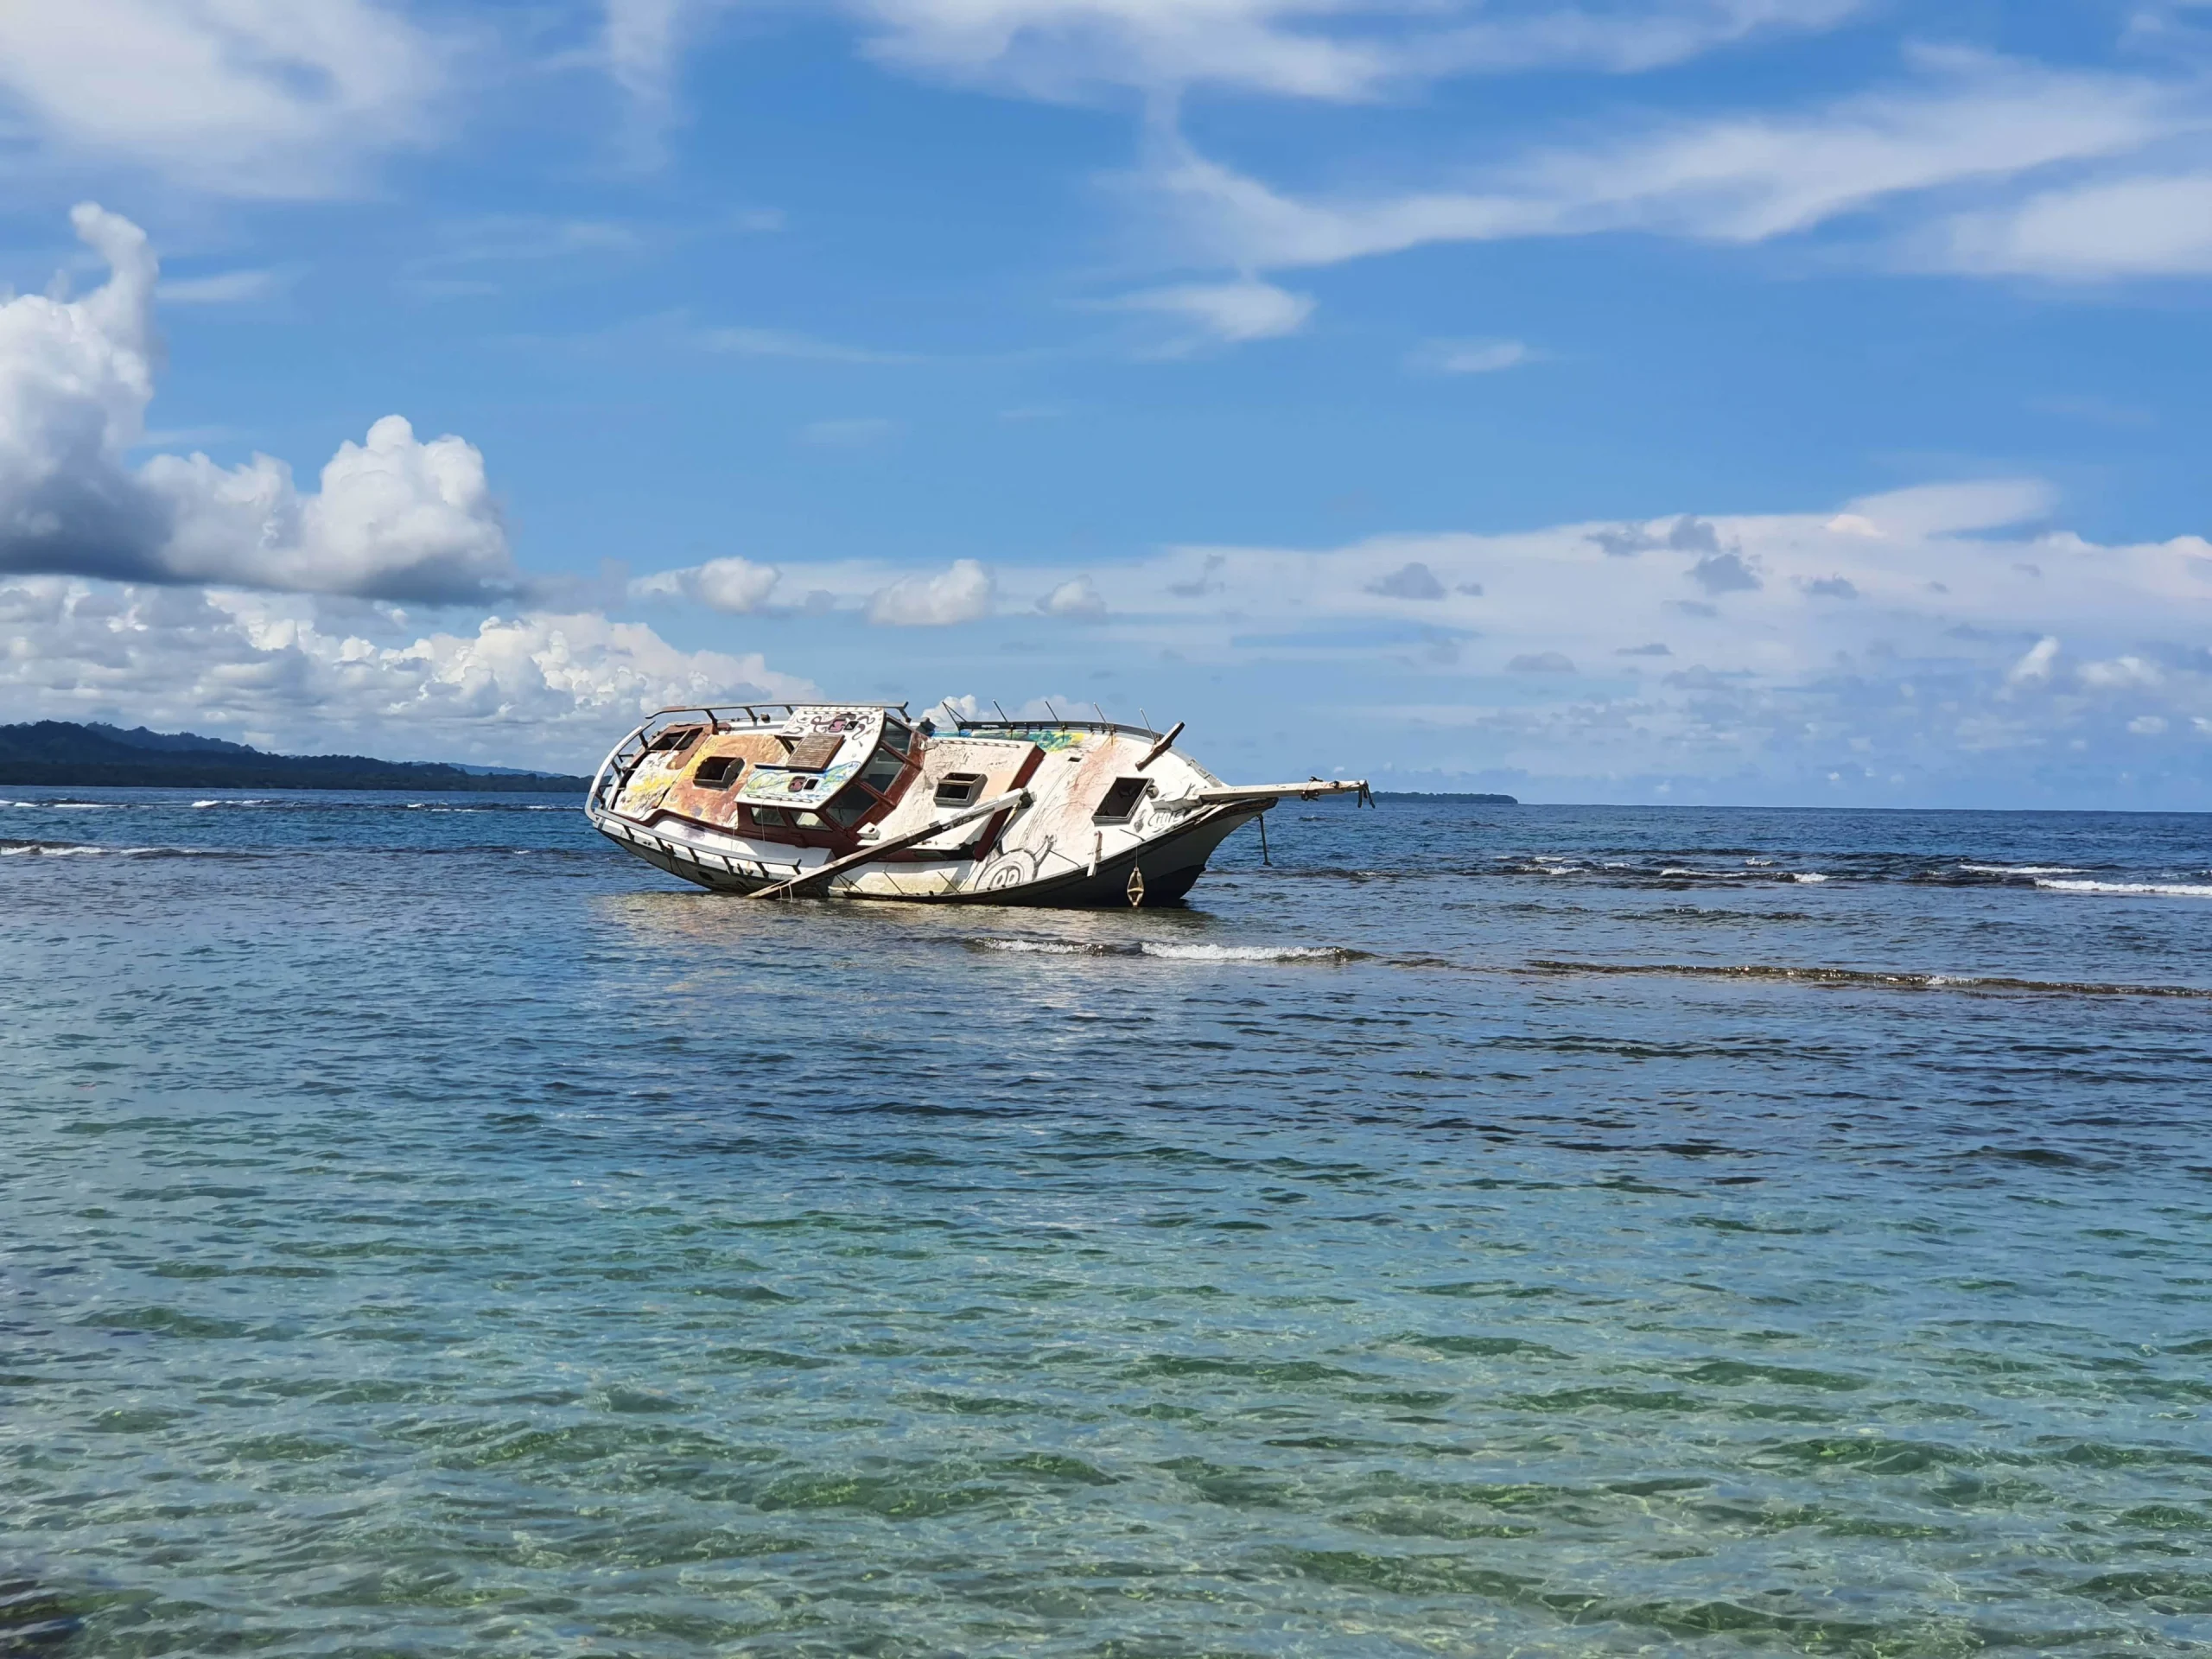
[960, 789]
[813, 753]
[882, 772]
[769, 817]
[807, 820]
[849, 810]
[674, 740]
[718, 771]
[897, 734]
[1122, 799]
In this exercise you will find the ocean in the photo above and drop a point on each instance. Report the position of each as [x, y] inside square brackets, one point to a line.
[1488, 1230]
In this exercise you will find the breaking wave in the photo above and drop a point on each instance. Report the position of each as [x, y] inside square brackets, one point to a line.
[1251, 952]
[1847, 868]
[297, 805]
[2158, 889]
[291, 804]
[1168, 951]
[15, 849]
[1873, 979]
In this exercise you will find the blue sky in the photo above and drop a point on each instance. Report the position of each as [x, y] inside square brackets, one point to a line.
[1669, 399]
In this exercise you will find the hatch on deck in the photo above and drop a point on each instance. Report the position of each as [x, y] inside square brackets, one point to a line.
[1122, 799]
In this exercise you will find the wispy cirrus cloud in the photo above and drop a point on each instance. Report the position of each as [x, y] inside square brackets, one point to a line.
[1469, 356]
[2148, 225]
[252, 101]
[1958, 120]
[850, 432]
[1342, 51]
[1231, 313]
[730, 341]
[227, 288]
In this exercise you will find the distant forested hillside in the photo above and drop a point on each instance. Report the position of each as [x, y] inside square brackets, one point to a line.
[62, 752]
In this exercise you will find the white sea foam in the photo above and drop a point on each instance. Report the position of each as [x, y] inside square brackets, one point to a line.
[79, 850]
[1807, 875]
[2155, 889]
[1248, 952]
[2022, 869]
[1169, 951]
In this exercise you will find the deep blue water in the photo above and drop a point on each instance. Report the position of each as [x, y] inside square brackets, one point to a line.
[1490, 1230]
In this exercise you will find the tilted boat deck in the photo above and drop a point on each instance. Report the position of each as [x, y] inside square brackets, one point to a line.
[860, 801]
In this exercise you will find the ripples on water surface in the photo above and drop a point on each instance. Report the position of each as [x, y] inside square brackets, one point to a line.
[1493, 1230]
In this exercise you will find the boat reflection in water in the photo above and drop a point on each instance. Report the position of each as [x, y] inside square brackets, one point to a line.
[858, 801]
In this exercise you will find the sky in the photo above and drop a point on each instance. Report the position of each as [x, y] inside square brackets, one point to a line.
[1757, 401]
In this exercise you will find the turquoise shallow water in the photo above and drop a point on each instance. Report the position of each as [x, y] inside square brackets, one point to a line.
[1491, 1231]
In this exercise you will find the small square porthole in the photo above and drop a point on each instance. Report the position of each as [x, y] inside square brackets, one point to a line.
[960, 789]
[1122, 799]
[718, 771]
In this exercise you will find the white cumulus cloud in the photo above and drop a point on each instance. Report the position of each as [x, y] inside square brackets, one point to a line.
[1078, 597]
[396, 517]
[734, 587]
[2035, 664]
[964, 593]
[534, 689]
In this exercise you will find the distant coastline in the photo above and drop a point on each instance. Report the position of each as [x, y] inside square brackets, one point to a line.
[57, 752]
[1451, 794]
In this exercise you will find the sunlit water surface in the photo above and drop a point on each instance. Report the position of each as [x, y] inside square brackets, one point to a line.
[1490, 1230]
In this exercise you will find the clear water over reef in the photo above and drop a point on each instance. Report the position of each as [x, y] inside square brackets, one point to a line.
[1490, 1230]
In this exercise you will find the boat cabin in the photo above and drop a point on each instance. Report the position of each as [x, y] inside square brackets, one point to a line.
[817, 779]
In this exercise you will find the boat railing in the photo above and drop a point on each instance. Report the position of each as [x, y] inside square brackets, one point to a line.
[1064, 725]
[761, 714]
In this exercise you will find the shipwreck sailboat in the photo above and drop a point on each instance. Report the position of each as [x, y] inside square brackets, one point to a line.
[861, 801]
